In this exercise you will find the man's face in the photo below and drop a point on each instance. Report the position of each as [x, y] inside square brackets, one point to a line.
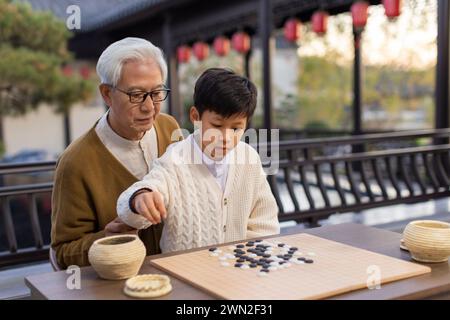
[131, 120]
[219, 134]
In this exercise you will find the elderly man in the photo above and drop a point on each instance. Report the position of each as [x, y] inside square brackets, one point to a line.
[118, 151]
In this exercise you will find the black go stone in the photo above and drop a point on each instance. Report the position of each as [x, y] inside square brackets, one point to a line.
[260, 263]
[253, 265]
[238, 255]
[309, 261]
[281, 245]
[258, 240]
[240, 246]
[212, 249]
[240, 260]
[288, 255]
[265, 270]
[238, 265]
[250, 244]
[259, 254]
[301, 259]
[293, 249]
[266, 255]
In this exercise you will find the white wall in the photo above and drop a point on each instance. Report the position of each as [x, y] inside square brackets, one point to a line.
[43, 129]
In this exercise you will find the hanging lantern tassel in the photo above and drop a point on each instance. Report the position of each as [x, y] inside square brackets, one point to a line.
[221, 46]
[292, 29]
[392, 8]
[241, 42]
[319, 22]
[201, 50]
[183, 54]
[359, 14]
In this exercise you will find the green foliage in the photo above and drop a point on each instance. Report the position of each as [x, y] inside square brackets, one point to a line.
[325, 95]
[33, 47]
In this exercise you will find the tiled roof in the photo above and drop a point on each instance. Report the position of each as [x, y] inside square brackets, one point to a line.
[94, 14]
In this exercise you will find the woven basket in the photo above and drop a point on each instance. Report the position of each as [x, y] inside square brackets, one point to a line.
[117, 257]
[428, 240]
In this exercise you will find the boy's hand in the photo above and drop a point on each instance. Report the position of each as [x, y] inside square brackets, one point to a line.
[150, 205]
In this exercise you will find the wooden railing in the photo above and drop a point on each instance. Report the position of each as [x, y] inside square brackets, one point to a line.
[360, 180]
[331, 178]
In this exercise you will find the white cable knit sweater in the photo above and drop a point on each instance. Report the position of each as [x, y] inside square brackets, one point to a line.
[198, 212]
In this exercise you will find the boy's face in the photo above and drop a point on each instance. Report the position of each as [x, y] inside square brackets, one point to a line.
[219, 134]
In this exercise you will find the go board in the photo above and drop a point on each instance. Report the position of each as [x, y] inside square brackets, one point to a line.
[299, 266]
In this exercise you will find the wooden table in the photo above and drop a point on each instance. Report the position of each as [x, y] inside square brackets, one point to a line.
[435, 285]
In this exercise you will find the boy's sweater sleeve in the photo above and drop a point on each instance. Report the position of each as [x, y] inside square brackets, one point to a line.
[263, 220]
[158, 180]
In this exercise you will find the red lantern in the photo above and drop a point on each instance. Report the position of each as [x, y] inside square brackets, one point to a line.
[319, 22]
[183, 54]
[292, 29]
[67, 70]
[201, 50]
[392, 8]
[241, 42]
[85, 72]
[221, 46]
[359, 14]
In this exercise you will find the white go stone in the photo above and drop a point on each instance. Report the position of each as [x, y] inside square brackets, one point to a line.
[262, 274]
[223, 258]
[299, 262]
[274, 263]
[252, 255]
[229, 256]
[244, 266]
[287, 265]
[311, 254]
[225, 264]
[272, 268]
[214, 254]
[217, 251]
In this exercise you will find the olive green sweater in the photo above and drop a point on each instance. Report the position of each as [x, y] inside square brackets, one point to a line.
[88, 181]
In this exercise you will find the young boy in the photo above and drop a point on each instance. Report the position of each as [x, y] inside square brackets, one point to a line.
[209, 188]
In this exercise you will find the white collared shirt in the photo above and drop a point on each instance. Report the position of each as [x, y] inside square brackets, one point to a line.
[135, 155]
[219, 169]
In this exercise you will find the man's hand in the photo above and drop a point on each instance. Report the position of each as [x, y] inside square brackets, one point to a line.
[117, 227]
[150, 205]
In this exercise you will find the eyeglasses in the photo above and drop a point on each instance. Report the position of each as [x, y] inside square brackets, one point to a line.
[139, 96]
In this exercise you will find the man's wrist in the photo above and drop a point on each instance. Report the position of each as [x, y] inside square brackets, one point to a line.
[138, 192]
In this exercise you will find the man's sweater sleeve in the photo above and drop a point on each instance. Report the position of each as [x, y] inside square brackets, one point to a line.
[74, 222]
[158, 180]
[263, 220]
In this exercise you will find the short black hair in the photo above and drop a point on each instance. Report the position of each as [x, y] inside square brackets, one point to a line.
[225, 92]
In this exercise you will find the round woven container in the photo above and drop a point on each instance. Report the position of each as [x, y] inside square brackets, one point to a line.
[428, 240]
[117, 257]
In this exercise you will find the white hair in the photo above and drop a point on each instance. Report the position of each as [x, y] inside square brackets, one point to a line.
[111, 61]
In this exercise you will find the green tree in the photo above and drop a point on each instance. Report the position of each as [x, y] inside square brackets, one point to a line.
[33, 49]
